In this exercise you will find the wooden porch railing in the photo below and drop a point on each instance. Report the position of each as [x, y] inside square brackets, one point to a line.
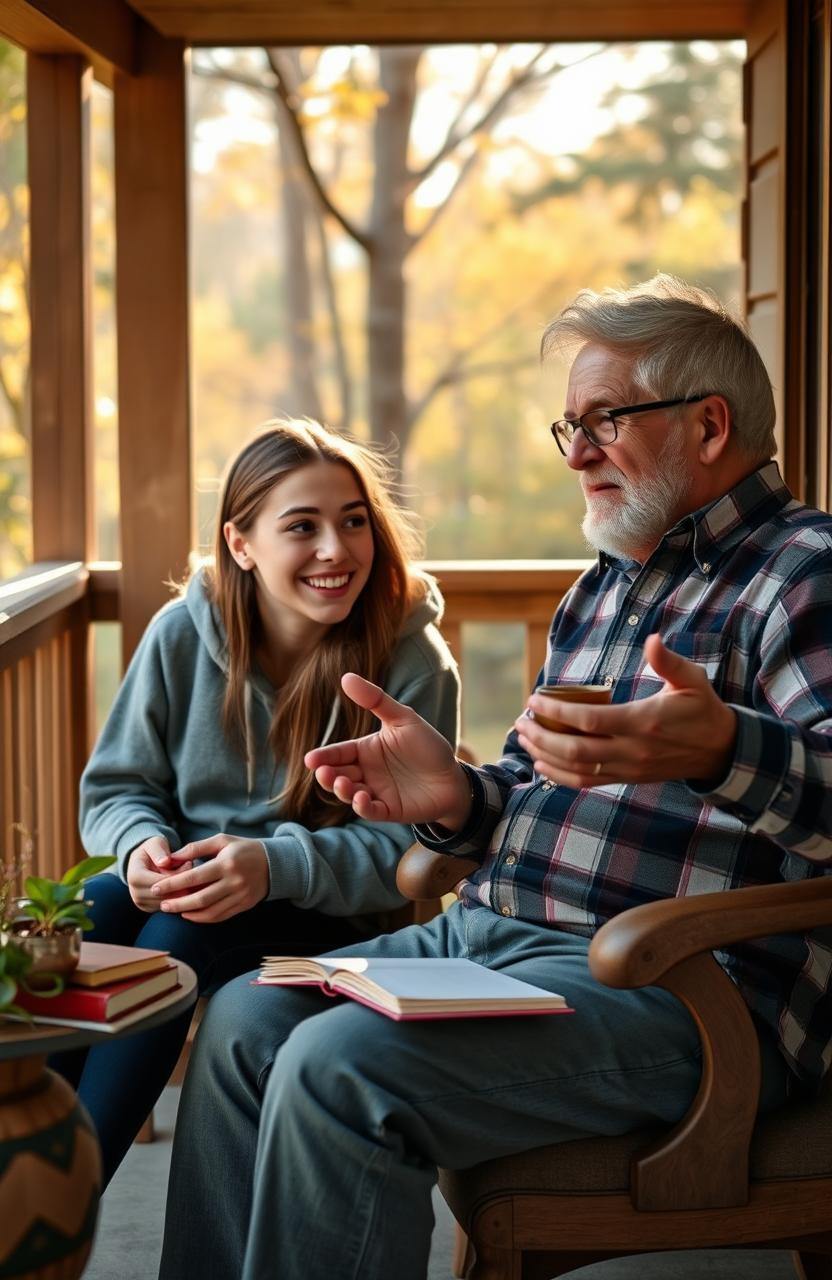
[44, 616]
[46, 684]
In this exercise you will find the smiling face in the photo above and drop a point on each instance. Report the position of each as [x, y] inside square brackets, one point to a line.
[637, 487]
[310, 549]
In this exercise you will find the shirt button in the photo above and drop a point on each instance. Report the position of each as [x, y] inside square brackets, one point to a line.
[608, 681]
[506, 911]
[510, 860]
[633, 619]
[547, 786]
[706, 568]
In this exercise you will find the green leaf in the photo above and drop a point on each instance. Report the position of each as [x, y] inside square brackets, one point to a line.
[35, 910]
[8, 990]
[86, 868]
[66, 893]
[55, 989]
[16, 1009]
[70, 911]
[38, 888]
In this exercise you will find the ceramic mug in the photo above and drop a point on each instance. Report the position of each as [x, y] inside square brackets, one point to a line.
[599, 694]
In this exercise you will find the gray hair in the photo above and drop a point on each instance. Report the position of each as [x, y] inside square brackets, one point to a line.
[683, 341]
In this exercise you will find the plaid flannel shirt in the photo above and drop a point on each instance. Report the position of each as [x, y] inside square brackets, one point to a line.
[743, 587]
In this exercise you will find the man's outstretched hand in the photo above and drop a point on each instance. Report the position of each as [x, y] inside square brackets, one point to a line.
[406, 772]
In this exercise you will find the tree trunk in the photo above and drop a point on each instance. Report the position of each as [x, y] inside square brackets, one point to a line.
[386, 300]
[302, 396]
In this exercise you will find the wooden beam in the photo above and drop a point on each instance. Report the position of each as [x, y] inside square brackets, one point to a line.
[151, 178]
[207, 22]
[60, 289]
[101, 31]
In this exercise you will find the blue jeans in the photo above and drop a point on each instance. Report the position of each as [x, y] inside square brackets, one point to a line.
[119, 1081]
[309, 1131]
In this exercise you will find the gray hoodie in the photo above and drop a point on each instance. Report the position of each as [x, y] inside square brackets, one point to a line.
[163, 766]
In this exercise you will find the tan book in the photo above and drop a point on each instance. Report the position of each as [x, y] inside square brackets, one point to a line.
[104, 962]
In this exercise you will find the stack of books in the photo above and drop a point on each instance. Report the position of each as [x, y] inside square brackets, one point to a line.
[112, 987]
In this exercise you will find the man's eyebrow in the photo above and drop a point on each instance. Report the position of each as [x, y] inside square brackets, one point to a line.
[598, 402]
[316, 511]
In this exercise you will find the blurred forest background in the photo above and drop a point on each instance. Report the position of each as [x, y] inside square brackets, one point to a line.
[379, 237]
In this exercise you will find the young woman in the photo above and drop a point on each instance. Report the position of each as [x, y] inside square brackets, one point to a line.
[227, 847]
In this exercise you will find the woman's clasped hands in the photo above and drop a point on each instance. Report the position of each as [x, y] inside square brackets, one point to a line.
[233, 877]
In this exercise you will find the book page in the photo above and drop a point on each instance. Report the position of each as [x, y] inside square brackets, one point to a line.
[441, 980]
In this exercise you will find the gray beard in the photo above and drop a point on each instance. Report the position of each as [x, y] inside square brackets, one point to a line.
[646, 514]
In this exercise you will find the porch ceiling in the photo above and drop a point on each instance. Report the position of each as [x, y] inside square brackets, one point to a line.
[240, 22]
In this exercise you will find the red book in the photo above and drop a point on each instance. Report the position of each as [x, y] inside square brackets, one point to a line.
[100, 1004]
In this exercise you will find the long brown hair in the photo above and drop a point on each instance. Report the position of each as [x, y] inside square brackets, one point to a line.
[362, 642]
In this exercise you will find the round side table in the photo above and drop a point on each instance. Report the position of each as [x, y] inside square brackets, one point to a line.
[50, 1164]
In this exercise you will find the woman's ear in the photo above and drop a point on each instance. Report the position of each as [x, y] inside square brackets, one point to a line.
[237, 545]
[716, 427]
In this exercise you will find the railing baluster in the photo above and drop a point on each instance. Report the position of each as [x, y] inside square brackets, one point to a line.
[25, 811]
[8, 761]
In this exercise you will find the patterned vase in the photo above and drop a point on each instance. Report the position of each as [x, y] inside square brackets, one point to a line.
[50, 1175]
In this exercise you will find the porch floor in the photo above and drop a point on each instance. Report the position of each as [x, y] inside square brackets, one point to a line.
[129, 1237]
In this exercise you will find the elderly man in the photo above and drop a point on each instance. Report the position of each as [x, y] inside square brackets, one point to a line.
[309, 1133]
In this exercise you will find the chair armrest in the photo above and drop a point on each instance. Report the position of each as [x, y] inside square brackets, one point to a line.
[669, 944]
[637, 947]
[423, 873]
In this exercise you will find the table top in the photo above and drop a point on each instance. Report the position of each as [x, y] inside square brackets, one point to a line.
[24, 1040]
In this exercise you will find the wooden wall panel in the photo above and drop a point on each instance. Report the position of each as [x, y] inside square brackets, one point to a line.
[764, 197]
[764, 213]
[151, 174]
[765, 327]
[58, 91]
[765, 72]
[775, 215]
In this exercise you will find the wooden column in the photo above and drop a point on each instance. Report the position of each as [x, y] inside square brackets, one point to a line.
[58, 138]
[58, 91]
[151, 172]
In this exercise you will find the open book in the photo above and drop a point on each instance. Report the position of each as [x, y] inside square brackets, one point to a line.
[408, 989]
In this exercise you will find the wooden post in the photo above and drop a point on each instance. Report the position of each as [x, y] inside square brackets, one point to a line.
[151, 173]
[58, 138]
[58, 91]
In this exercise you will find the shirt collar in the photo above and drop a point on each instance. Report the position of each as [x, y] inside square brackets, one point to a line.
[718, 527]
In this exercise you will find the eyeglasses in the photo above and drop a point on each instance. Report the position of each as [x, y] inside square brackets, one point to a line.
[600, 426]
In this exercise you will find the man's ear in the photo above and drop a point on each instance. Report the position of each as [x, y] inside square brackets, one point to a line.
[237, 544]
[716, 426]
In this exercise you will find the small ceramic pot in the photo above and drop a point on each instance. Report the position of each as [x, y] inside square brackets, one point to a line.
[50, 953]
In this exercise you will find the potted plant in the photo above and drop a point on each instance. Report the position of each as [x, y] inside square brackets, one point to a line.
[15, 962]
[15, 965]
[49, 920]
